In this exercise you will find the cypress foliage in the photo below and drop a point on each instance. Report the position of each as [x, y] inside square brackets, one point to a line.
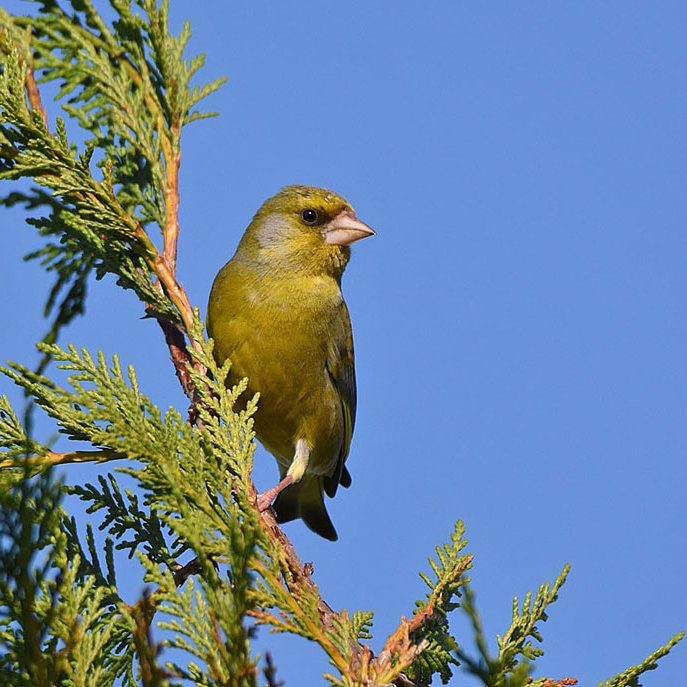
[217, 567]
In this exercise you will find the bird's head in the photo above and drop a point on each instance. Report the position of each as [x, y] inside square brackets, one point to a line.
[304, 229]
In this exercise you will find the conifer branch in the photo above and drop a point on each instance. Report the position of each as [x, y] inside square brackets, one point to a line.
[630, 677]
[168, 118]
[447, 586]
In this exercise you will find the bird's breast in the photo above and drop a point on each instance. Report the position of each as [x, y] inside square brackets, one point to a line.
[277, 333]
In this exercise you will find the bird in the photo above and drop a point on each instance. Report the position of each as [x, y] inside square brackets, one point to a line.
[276, 311]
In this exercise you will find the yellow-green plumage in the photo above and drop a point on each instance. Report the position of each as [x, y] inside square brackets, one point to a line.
[277, 312]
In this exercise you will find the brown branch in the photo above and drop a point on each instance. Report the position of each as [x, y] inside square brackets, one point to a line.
[51, 458]
[398, 653]
[175, 291]
[171, 228]
[177, 294]
[182, 573]
[142, 613]
[300, 572]
[34, 95]
[404, 681]
[174, 337]
[562, 682]
[166, 272]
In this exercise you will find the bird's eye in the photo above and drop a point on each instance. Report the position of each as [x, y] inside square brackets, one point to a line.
[310, 216]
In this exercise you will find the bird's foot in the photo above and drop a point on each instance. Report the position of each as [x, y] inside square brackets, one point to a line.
[265, 500]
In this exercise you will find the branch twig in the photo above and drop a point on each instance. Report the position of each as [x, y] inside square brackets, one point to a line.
[184, 572]
[171, 229]
[419, 618]
[51, 458]
[34, 94]
[179, 355]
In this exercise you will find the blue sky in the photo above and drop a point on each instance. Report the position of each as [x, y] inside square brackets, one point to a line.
[519, 318]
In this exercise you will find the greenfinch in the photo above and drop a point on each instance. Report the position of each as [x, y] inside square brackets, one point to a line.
[277, 312]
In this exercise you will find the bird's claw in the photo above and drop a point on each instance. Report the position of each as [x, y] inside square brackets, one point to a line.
[264, 500]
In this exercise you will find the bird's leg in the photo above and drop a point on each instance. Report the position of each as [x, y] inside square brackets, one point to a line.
[296, 471]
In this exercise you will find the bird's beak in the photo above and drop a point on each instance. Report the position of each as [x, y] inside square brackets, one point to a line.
[344, 229]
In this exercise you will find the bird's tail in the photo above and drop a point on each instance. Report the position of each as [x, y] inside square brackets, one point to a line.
[305, 499]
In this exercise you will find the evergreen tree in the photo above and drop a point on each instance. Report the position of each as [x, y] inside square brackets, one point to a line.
[215, 565]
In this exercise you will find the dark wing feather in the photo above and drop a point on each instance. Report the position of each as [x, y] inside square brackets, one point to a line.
[341, 369]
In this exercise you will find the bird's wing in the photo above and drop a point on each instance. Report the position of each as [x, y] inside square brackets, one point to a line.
[341, 369]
